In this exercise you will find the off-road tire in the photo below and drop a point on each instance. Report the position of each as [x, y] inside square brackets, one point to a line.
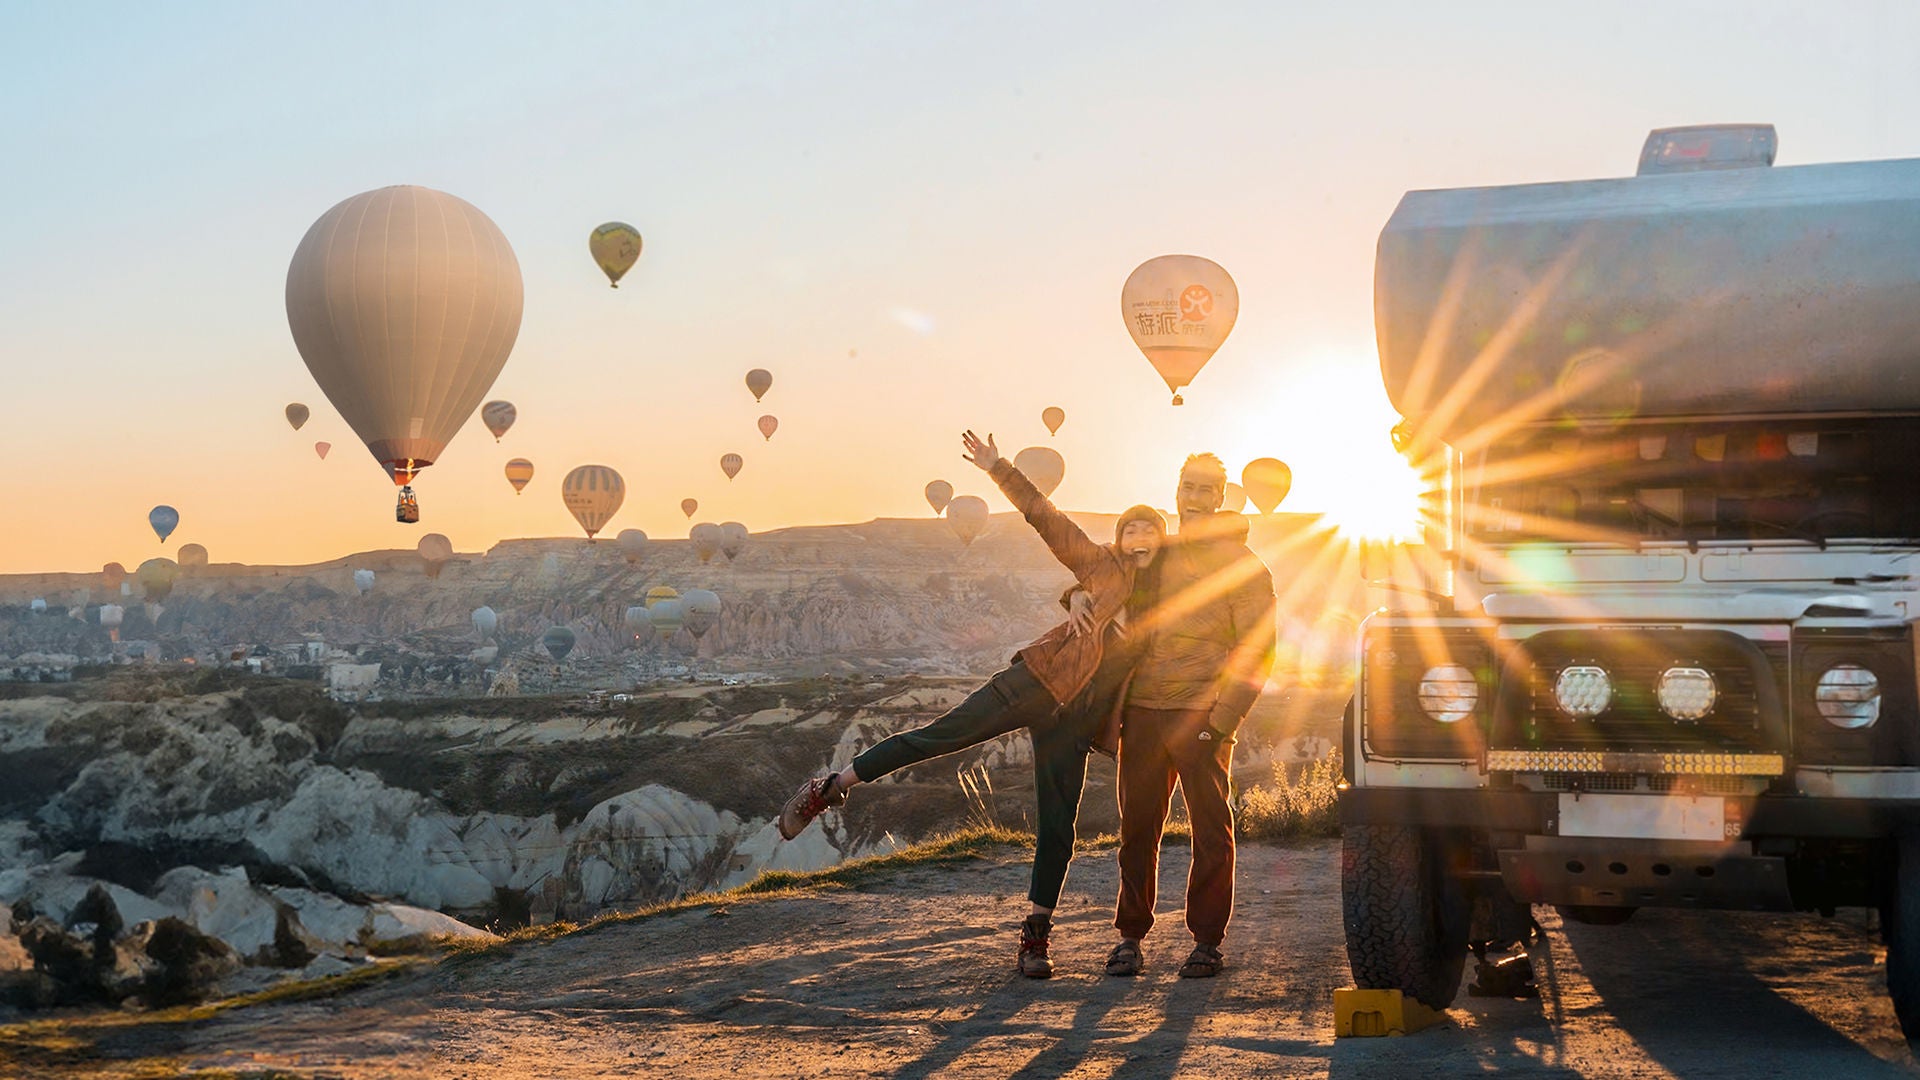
[1900, 929]
[1405, 913]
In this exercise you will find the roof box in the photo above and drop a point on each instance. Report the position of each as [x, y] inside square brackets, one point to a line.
[1704, 293]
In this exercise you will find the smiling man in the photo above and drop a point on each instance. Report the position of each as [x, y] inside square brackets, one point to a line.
[1209, 651]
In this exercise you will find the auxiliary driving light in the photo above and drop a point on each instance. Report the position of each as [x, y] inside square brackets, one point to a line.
[1686, 693]
[1448, 693]
[1848, 696]
[1583, 691]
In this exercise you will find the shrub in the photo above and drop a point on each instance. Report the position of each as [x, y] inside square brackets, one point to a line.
[1303, 803]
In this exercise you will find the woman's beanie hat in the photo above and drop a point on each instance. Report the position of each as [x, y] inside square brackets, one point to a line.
[1140, 513]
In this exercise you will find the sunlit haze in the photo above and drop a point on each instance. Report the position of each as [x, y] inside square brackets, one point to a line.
[918, 217]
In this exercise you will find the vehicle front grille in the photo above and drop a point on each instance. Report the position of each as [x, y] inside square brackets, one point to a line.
[1633, 720]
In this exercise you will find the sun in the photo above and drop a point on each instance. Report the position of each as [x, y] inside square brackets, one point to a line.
[1375, 497]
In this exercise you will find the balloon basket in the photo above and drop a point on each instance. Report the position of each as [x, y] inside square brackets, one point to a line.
[1178, 400]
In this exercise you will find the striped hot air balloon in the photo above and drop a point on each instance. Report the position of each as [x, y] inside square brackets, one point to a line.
[519, 471]
[731, 464]
[593, 494]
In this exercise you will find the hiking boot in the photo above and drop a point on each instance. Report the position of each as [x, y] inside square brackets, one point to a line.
[1034, 963]
[814, 798]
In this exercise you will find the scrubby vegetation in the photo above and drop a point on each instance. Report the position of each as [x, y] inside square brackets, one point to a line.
[1300, 803]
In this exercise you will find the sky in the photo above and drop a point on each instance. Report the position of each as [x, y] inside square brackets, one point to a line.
[916, 215]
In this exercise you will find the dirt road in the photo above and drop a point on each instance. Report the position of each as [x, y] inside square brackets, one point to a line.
[912, 977]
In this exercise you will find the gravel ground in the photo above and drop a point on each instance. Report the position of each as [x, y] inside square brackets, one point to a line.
[912, 977]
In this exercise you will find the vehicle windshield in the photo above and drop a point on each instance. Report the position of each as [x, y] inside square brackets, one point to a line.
[1807, 479]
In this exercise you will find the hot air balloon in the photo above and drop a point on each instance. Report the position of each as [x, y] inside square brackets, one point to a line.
[111, 616]
[519, 471]
[297, 415]
[730, 464]
[558, 641]
[156, 577]
[1053, 416]
[363, 580]
[639, 621]
[593, 494]
[939, 494]
[700, 609]
[112, 575]
[1235, 500]
[967, 515]
[632, 543]
[1267, 481]
[1042, 465]
[404, 303]
[1179, 308]
[192, 556]
[436, 549]
[759, 380]
[663, 607]
[733, 539]
[164, 520]
[769, 425]
[498, 416]
[38, 606]
[484, 621]
[616, 247]
[688, 506]
[321, 448]
[706, 538]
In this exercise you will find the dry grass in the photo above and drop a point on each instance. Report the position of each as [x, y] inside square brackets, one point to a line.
[1303, 803]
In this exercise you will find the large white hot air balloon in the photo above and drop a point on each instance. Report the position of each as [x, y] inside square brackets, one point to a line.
[663, 607]
[939, 494]
[1043, 465]
[593, 494]
[405, 303]
[633, 543]
[700, 608]
[706, 538]
[363, 581]
[967, 516]
[484, 621]
[1179, 309]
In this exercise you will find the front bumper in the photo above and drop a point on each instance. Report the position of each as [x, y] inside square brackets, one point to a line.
[1536, 813]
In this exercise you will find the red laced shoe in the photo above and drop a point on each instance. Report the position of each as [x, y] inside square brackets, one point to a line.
[814, 798]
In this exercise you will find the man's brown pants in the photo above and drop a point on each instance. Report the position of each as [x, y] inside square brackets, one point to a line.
[1158, 747]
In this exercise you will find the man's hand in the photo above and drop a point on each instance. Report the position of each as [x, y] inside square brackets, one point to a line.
[983, 454]
[1080, 612]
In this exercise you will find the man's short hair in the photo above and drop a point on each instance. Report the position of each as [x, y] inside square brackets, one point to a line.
[1206, 463]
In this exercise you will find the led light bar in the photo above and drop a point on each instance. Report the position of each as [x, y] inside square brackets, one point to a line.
[1600, 761]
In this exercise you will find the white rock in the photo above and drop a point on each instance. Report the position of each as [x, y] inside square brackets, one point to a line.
[338, 926]
[400, 922]
[223, 905]
[460, 886]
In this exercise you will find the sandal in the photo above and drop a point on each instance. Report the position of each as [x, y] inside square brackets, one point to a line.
[1125, 959]
[1202, 963]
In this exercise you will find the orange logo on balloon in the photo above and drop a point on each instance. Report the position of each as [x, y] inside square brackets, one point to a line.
[1196, 303]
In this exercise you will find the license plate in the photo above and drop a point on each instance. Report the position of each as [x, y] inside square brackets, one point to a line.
[1644, 817]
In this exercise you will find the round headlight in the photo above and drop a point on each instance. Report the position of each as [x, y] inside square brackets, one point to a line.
[1448, 693]
[1686, 693]
[1583, 691]
[1848, 696]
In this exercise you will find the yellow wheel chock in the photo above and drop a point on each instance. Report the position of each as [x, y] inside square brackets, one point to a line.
[1374, 1013]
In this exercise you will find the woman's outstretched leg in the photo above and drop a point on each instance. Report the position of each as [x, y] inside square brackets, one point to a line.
[1009, 701]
